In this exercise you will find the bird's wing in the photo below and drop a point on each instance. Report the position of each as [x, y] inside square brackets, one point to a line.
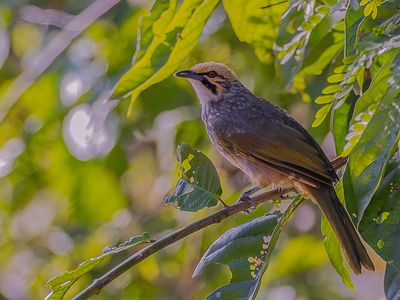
[284, 146]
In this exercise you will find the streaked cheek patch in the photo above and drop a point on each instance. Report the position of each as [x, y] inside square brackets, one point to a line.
[212, 87]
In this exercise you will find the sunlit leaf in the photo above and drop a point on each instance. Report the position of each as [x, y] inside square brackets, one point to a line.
[335, 78]
[324, 99]
[174, 38]
[369, 8]
[322, 55]
[365, 107]
[199, 185]
[330, 89]
[246, 250]
[256, 23]
[61, 284]
[332, 245]
[160, 15]
[321, 114]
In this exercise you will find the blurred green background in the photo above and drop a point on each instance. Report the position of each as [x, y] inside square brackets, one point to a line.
[78, 175]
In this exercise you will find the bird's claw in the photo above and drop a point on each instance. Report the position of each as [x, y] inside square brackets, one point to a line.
[246, 198]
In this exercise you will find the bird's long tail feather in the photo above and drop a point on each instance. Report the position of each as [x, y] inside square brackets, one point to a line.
[341, 223]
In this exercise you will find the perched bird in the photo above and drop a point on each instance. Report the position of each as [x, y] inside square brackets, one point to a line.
[271, 147]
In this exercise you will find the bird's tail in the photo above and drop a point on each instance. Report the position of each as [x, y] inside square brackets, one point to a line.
[341, 223]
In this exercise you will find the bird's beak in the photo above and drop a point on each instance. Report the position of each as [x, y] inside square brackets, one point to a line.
[189, 74]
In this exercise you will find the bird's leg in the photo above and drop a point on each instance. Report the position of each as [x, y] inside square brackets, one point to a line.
[246, 196]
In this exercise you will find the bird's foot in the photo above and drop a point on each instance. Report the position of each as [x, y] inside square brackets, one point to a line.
[244, 197]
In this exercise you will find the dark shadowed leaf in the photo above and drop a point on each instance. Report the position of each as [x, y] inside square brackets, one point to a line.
[392, 282]
[246, 250]
[61, 284]
[380, 226]
[199, 185]
[367, 161]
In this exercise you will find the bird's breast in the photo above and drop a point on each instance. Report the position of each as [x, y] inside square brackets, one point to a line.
[220, 124]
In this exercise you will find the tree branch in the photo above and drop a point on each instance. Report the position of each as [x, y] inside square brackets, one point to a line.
[47, 56]
[97, 284]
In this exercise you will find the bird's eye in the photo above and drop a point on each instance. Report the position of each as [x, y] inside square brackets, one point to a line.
[212, 74]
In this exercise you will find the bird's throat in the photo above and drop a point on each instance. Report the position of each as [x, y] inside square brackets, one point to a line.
[205, 93]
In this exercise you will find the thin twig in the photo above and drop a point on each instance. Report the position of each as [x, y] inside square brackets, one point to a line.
[96, 286]
[274, 4]
[47, 56]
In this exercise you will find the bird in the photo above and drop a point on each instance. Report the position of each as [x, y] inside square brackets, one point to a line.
[271, 148]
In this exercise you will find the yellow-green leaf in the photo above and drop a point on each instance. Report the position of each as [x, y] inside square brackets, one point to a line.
[172, 42]
[374, 12]
[336, 78]
[321, 114]
[331, 89]
[340, 69]
[369, 8]
[255, 25]
[324, 99]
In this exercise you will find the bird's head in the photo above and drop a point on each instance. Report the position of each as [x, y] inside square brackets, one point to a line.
[210, 80]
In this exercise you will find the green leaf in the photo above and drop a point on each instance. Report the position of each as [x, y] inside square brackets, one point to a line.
[332, 245]
[61, 284]
[321, 114]
[379, 35]
[297, 23]
[199, 185]
[174, 36]
[369, 8]
[254, 24]
[324, 99]
[246, 250]
[353, 19]
[374, 12]
[368, 159]
[341, 120]
[331, 89]
[320, 57]
[376, 90]
[392, 282]
[380, 225]
[366, 105]
[335, 78]
[160, 15]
